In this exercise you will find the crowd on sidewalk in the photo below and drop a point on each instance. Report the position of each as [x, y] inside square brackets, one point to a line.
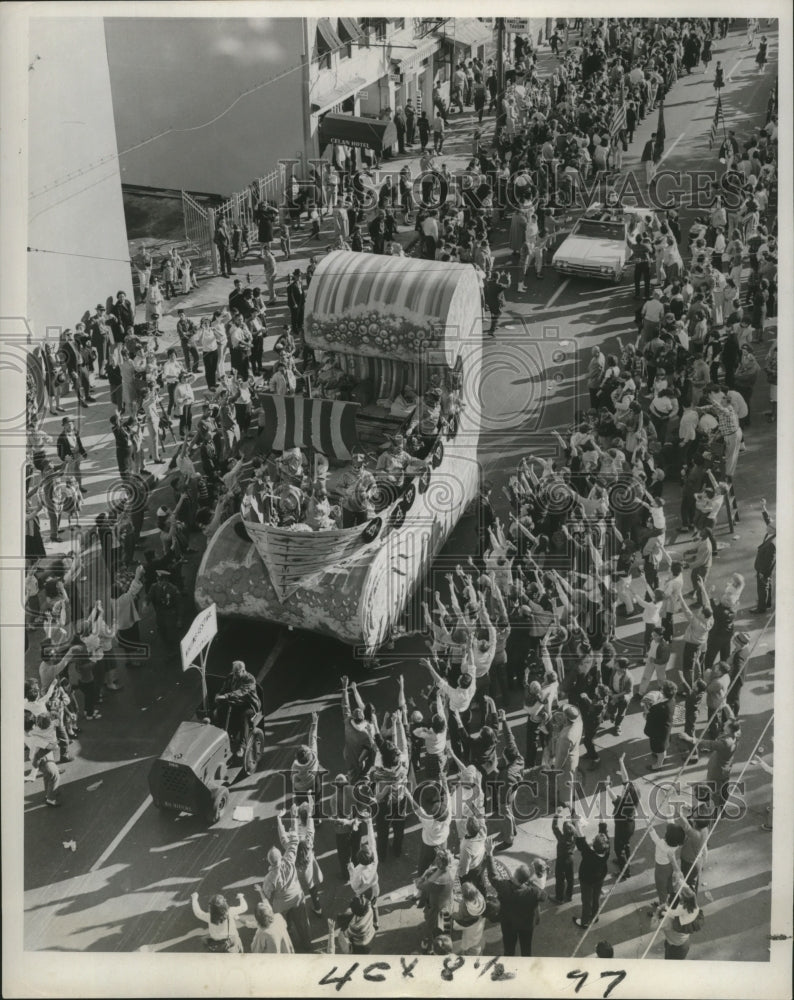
[531, 618]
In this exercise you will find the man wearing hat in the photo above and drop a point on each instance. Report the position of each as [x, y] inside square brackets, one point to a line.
[356, 485]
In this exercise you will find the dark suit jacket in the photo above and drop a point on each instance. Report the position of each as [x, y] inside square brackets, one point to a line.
[66, 451]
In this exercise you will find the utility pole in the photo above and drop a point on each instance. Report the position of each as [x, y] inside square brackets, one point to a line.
[500, 74]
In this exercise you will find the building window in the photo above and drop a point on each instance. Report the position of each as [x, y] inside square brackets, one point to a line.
[374, 26]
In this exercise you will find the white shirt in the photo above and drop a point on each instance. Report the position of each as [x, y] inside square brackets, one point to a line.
[458, 698]
[435, 832]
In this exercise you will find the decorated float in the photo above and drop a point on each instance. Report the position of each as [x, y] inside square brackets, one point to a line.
[390, 322]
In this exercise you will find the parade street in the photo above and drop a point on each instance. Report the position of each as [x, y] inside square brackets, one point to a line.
[108, 871]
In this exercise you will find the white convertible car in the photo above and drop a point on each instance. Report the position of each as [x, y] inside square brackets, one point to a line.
[598, 244]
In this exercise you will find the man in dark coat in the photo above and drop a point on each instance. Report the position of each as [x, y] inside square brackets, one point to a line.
[377, 232]
[239, 698]
[659, 723]
[765, 557]
[264, 217]
[592, 871]
[410, 123]
[223, 243]
[296, 299]
[124, 313]
[71, 451]
[401, 126]
[519, 899]
[495, 297]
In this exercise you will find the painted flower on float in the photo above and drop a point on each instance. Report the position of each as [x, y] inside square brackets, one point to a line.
[377, 333]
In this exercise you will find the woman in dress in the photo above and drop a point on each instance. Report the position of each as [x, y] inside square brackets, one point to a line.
[187, 276]
[154, 300]
[705, 53]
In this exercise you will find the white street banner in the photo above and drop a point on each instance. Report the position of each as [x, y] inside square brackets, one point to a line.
[518, 25]
[199, 636]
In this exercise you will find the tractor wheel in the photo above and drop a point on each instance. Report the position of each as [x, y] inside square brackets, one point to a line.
[219, 799]
[254, 749]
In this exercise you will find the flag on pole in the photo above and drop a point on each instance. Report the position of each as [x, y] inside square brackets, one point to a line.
[715, 122]
[325, 425]
[618, 120]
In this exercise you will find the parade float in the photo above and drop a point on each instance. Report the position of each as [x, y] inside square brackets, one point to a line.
[390, 322]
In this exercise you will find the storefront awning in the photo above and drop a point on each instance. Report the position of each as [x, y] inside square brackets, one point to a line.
[350, 28]
[329, 35]
[363, 133]
[409, 59]
[468, 31]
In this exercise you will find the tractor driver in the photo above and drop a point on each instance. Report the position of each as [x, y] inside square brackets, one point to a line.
[237, 696]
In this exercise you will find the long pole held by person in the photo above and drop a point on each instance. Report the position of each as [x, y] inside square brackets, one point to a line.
[500, 74]
[197, 642]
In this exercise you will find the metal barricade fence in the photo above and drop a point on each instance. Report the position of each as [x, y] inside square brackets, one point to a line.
[198, 232]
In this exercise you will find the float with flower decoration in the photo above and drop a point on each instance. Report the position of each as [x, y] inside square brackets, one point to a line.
[390, 322]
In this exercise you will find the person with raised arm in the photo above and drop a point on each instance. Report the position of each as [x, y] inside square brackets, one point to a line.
[389, 779]
[435, 738]
[359, 750]
[624, 804]
[433, 807]
[696, 635]
[459, 696]
[306, 766]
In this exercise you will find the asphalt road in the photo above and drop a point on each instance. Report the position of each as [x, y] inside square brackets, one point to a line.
[127, 884]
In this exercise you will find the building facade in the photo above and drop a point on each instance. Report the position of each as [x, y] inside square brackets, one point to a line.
[228, 99]
[76, 228]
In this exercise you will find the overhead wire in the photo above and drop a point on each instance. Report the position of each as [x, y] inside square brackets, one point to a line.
[673, 780]
[172, 130]
[672, 904]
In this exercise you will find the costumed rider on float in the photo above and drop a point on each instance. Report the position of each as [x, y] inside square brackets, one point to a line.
[396, 465]
[357, 488]
[427, 420]
[236, 704]
[290, 490]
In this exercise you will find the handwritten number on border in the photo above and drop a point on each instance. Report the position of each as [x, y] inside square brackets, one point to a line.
[618, 976]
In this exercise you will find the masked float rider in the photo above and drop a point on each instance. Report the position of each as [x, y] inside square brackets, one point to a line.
[356, 486]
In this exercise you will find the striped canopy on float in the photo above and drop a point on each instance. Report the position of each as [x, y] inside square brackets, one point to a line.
[326, 425]
[391, 283]
[383, 306]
